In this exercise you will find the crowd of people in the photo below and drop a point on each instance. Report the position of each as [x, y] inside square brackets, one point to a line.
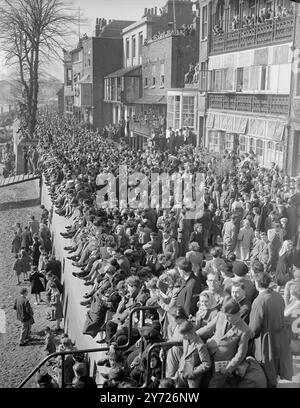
[225, 286]
[266, 15]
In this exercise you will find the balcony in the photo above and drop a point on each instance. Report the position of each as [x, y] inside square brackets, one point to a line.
[262, 104]
[271, 32]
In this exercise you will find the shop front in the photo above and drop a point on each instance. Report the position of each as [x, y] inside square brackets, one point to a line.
[263, 137]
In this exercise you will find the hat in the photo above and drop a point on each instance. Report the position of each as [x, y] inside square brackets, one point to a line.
[44, 378]
[147, 246]
[230, 306]
[239, 268]
[186, 327]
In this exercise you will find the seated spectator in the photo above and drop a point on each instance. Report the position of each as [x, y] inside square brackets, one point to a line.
[240, 271]
[228, 337]
[82, 379]
[215, 288]
[44, 380]
[287, 289]
[207, 309]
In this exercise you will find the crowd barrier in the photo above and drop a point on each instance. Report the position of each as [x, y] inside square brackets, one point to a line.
[74, 289]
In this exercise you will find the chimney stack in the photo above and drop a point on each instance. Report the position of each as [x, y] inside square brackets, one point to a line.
[155, 11]
[145, 12]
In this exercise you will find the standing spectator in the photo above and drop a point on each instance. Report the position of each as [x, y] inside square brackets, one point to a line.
[195, 359]
[36, 253]
[18, 267]
[272, 347]
[25, 315]
[56, 310]
[230, 234]
[49, 342]
[25, 259]
[36, 285]
[25, 239]
[34, 226]
[245, 238]
[16, 243]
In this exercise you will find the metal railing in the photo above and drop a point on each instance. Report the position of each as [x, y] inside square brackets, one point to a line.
[271, 32]
[62, 354]
[165, 346]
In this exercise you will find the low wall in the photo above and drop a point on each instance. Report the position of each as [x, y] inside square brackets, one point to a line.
[74, 288]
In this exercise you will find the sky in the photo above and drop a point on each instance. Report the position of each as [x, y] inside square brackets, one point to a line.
[92, 9]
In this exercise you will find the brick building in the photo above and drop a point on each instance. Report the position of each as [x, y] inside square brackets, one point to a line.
[85, 68]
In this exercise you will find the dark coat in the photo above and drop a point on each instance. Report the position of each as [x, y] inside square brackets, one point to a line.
[36, 285]
[272, 347]
[187, 295]
[24, 309]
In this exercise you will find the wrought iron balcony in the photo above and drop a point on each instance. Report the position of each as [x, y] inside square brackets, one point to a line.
[262, 103]
[275, 31]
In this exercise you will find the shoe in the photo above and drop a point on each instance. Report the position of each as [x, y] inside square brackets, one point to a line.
[22, 344]
[85, 302]
[88, 283]
[72, 258]
[102, 341]
[86, 296]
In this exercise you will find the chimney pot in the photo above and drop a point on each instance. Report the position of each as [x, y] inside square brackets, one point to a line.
[145, 11]
[155, 11]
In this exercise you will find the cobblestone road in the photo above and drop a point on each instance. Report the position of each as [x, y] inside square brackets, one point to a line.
[16, 362]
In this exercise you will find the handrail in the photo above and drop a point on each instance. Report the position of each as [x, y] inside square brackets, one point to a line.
[164, 345]
[94, 350]
[56, 354]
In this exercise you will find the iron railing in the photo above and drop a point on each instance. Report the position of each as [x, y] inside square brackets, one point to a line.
[62, 354]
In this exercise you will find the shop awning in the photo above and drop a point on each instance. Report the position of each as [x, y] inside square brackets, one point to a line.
[152, 100]
[275, 130]
[227, 123]
[126, 71]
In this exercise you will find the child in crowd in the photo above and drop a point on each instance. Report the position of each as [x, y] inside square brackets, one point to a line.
[49, 342]
[18, 267]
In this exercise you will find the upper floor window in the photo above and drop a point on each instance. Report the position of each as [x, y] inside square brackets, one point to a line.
[204, 23]
[133, 46]
[162, 74]
[127, 48]
[153, 75]
[141, 41]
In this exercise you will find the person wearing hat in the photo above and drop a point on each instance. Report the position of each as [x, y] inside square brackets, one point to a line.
[191, 287]
[25, 315]
[44, 380]
[195, 359]
[228, 338]
[81, 377]
[271, 342]
[240, 271]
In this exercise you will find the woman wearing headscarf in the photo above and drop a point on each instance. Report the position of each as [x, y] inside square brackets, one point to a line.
[207, 309]
[283, 271]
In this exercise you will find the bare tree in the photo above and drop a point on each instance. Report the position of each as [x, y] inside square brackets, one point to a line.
[32, 32]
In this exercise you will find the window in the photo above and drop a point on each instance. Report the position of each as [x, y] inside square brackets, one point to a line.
[204, 23]
[188, 112]
[133, 46]
[217, 80]
[177, 112]
[146, 82]
[203, 77]
[242, 144]
[141, 41]
[259, 148]
[153, 75]
[69, 76]
[127, 48]
[239, 79]
[263, 78]
[162, 74]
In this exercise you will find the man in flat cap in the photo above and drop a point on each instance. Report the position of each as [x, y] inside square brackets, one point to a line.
[228, 337]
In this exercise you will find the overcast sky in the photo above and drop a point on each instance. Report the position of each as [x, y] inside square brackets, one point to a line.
[92, 9]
